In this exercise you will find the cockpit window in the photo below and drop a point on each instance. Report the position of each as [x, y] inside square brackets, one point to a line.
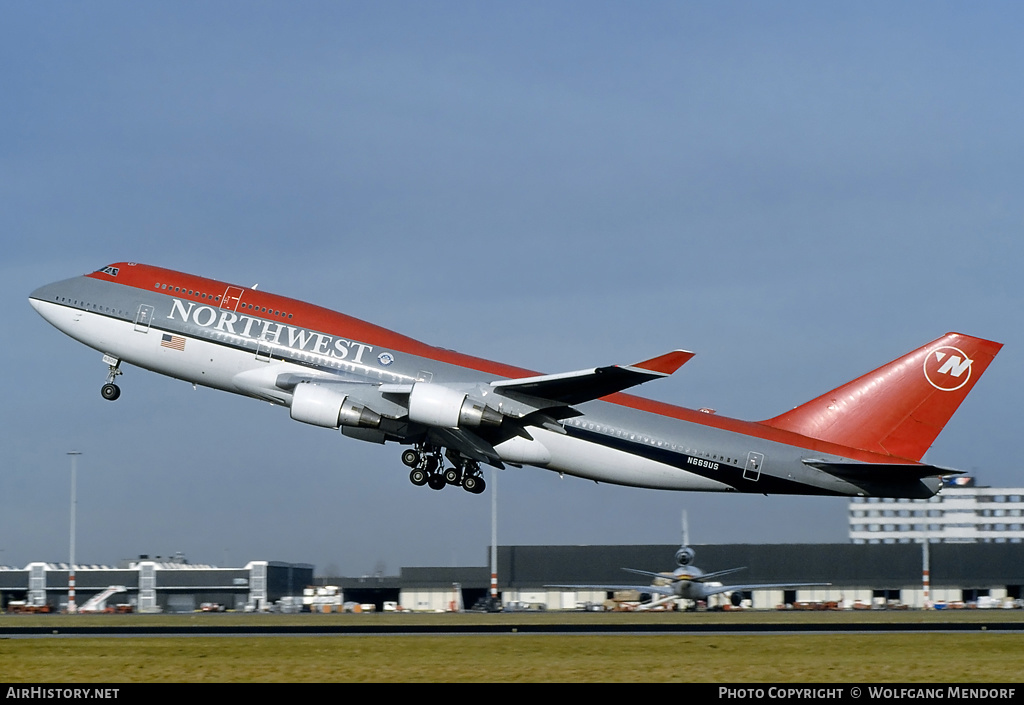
[112, 271]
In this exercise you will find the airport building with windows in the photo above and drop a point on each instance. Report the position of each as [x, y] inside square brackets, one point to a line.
[961, 513]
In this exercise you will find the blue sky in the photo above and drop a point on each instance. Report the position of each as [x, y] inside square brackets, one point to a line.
[799, 192]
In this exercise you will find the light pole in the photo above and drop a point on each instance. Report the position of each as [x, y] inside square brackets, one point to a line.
[494, 537]
[74, 502]
[926, 571]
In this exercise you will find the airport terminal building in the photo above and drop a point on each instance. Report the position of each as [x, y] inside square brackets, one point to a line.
[962, 513]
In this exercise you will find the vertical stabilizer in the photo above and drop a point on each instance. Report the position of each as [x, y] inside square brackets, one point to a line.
[901, 407]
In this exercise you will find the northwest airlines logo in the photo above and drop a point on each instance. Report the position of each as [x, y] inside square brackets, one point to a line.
[947, 368]
[272, 332]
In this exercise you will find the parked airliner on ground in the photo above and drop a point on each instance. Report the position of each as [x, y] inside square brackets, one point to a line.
[688, 582]
[865, 438]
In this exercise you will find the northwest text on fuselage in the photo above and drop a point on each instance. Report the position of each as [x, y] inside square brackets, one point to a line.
[271, 332]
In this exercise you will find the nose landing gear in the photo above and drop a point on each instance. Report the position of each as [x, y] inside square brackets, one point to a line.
[111, 391]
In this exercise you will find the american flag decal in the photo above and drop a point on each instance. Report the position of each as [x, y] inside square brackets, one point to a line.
[174, 342]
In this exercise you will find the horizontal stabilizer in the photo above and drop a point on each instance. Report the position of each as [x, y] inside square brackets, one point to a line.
[586, 385]
[880, 472]
[693, 578]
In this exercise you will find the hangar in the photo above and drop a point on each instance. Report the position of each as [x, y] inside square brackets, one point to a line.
[988, 574]
[156, 585]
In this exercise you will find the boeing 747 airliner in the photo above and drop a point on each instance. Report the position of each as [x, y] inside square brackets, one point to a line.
[456, 412]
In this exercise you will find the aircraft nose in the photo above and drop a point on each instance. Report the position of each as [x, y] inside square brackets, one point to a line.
[45, 300]
[38, 296]
[45, 293]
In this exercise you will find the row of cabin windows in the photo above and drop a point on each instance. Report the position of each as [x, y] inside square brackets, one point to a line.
[611, 430]
[935, 527]
[95, 307]
[215, 299]
[978, 498]
[183, 290]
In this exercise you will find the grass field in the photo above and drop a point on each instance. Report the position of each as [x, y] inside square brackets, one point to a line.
[936, 657]
[856, 658]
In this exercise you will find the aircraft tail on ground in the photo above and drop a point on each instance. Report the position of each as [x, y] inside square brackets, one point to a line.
[901, 407]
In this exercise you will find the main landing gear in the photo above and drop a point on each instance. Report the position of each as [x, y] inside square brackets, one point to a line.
[427, 465]
[111, 391]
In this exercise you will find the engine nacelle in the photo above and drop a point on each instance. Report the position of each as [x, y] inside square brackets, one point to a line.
[438, 405]
[322, 406]
[685, 555]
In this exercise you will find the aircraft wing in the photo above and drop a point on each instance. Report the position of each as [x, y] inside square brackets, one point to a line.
[657, 589]
[585, 385]
[717, 589]
[708, 590]
[467, 443]
[544, 400]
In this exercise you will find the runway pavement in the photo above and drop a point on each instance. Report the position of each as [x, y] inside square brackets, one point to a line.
[14, 626]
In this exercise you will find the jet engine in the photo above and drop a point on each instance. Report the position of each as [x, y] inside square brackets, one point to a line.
[438, 405]
[685, 555]
[322, 406]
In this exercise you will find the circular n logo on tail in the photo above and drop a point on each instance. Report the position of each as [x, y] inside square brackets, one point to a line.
[947, 368]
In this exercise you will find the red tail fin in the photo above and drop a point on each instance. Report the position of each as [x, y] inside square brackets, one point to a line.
[901, 407]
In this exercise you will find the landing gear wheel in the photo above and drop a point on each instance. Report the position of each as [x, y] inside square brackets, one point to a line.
[110, 392]
[436, 482]
[473, 484]
[453, 476]
[411, 458]
[418, 477]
